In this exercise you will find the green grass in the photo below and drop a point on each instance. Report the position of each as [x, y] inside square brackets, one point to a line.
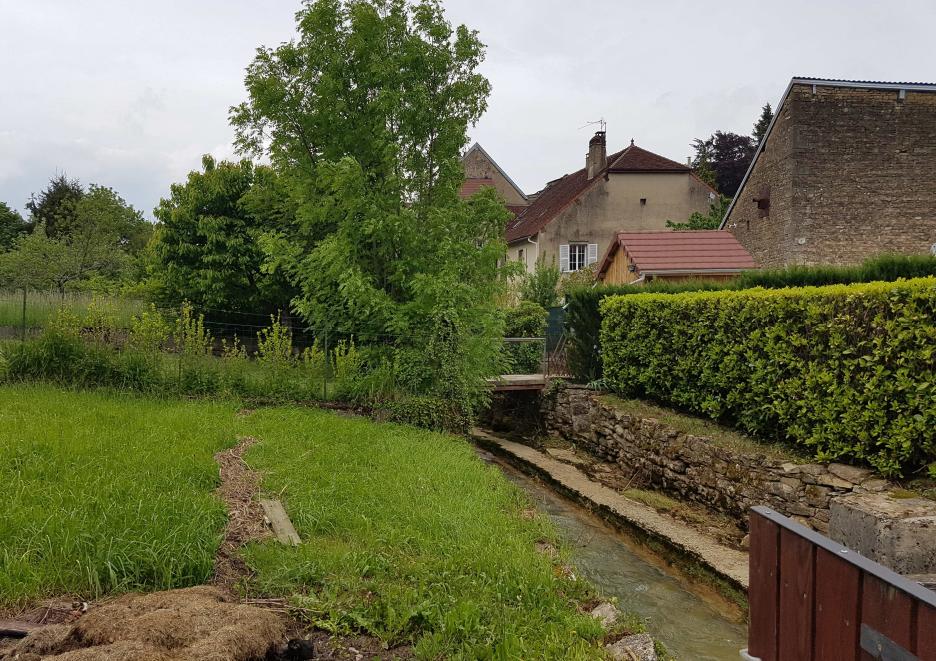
[408, 536]
[42, 306]
[104, 493]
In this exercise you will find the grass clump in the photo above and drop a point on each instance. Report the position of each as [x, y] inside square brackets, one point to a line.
[407, 536]
[104, 493]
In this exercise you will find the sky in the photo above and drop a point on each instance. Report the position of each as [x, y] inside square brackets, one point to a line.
[131, 93]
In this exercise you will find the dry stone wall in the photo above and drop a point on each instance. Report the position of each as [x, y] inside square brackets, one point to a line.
[695, 468]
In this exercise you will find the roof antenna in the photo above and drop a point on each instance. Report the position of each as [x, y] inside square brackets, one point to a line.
[601, 123]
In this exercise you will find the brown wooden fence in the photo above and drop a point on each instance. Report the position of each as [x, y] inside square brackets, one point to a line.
[812, 599]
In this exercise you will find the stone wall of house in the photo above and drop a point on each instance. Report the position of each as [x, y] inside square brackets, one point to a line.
[850, 176]
[695, 468]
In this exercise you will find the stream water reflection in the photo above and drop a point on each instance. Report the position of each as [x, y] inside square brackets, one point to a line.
[690, 627]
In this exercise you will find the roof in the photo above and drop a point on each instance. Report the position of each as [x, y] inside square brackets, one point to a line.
[561, 192]
[477, 147]
[472, 186]
[820, 82]
[670, 252]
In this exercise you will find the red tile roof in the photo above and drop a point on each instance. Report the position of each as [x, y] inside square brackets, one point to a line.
[472, 186]
[564, 191]
[697, 251]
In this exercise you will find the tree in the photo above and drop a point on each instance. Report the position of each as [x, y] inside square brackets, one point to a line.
[542, 285]
[707, 221]
[728, 155]
[55, 206]
[207, 248]
[366, 114]
[760, 127]
[12, 226]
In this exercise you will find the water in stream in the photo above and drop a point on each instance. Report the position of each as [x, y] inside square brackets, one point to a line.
[690, 627]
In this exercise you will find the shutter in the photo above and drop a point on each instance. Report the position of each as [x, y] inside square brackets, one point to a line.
[592, 254]
[564, 258]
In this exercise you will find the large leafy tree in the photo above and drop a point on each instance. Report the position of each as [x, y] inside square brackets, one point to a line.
[54, 206]
[760, 127]
[12, 226]
[366, 113]
[728, 155]
[207, 246]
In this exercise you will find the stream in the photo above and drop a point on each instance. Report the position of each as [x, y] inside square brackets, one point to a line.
[691, 628]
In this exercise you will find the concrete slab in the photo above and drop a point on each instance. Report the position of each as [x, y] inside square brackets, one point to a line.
[899, 533]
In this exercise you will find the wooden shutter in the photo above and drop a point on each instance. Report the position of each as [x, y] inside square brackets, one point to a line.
[592, 254]
[564, 258]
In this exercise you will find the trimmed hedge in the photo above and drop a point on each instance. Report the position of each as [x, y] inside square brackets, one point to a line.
[583, 320]
[844, 371]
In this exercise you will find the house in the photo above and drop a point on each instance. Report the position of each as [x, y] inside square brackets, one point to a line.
[573, 220]
[481, 170]
[701, 254]
[846, 171]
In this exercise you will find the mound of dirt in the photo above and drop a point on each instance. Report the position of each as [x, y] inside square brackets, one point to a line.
[194, 623]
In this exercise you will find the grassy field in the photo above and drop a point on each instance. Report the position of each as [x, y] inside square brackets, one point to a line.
[42, 306]
[406, 534]
[105, 493]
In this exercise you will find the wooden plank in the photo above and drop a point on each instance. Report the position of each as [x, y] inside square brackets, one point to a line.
[887, 610]
[838, 599]
[926, 633]
[279, 520]
[763, 592]
[797, 566]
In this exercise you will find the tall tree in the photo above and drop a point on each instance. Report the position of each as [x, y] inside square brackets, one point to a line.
[12, 226]
[367, 113]
[54, 206]
[207, 248]
[728, 155]
[760, 127]
[704, 221]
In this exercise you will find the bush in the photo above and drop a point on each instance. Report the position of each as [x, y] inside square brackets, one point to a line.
[845, 371]
[526, 320]
[427, 412]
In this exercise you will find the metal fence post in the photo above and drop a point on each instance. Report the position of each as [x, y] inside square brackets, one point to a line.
[325, 370]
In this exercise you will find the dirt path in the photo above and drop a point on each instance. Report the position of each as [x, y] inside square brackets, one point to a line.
[240, 485]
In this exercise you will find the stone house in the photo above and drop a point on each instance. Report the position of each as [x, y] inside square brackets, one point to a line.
[574, 219]
[634, 257]
[846, 171]
[481, 170]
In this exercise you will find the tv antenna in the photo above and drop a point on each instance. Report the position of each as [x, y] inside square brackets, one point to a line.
[600, 122]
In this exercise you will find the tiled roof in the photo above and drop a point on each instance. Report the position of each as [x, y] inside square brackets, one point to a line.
[472, 186]
[697, 251]
[562, 192]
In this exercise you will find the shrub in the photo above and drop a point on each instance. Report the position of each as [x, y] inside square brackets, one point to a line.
[542, 285]
[427, 412]
[526, 320]
[845, 371]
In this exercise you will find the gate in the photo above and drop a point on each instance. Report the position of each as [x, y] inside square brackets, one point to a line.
[812, 599]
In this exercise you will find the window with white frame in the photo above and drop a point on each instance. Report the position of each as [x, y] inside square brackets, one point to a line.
[576, 256]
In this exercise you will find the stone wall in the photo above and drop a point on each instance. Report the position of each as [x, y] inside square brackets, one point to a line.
[696, 469]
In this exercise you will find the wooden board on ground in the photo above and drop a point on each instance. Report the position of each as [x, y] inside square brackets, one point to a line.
[279, 520]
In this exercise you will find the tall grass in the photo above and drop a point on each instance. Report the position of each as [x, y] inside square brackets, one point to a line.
[106, 493]
[42, 306]
[408, 536]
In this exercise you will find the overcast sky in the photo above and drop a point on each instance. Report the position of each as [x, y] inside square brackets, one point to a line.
[131, 93]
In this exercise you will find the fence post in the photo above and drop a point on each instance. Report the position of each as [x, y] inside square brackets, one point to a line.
[24, 314]
[325, 371]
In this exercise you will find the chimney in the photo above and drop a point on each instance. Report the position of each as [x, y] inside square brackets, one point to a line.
[597, 158]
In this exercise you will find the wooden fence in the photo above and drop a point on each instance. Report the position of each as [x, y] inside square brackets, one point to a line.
[812, 599]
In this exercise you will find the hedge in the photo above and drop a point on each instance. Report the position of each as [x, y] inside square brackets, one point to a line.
[583, 320]
[847, 372]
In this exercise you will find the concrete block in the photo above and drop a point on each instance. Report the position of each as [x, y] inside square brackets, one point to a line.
[899, 533]
[638, 647]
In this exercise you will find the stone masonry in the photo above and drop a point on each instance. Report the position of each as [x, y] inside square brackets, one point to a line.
[696, 469]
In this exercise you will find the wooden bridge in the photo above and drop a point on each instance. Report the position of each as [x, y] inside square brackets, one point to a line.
[509, 382]
[551, 365]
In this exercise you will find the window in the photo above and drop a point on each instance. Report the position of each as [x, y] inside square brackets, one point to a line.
[520, 256]
[576, 256]
[643, 201]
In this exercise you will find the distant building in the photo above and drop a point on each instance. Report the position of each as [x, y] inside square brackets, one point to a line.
[675, 256]
[846, 171]
[481, 170]
[574, 219]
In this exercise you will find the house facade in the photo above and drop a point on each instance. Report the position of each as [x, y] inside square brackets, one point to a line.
[574, 219]
[481, 170]
[846, 171]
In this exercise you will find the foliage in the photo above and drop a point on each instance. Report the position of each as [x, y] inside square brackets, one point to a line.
[542, 285]
[427, 413]
[274, 345]
[414, 521]
[728, 155]
[526, 320]
[760, 127]
[708, 221]
[207, 249]
[382, 247]
[845, 371]
[12, 226]
[144, 518]
[55, 206]
[191, 338]
[41, 306]
[885, 268]
[584, 277]
[149, 332]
